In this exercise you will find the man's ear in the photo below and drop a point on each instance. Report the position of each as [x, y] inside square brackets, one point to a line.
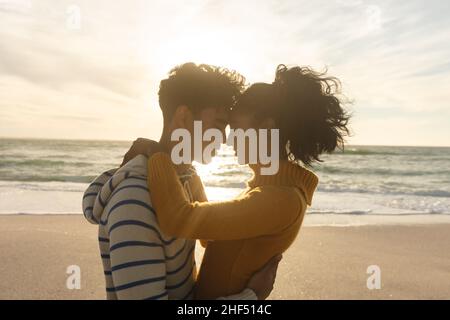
[182, 117]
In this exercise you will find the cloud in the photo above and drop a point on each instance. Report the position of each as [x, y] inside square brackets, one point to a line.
[392, 57]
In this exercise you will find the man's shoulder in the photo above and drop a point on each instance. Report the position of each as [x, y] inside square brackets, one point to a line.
[135, 167]
[130, 199]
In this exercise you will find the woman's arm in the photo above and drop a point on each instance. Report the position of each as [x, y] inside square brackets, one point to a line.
[199, 194]
[253, 214]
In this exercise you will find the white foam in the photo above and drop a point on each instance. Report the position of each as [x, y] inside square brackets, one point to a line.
[19, 201]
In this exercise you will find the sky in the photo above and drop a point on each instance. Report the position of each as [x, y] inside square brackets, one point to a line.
[90, 69]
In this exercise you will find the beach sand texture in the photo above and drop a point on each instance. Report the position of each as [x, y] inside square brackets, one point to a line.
[324, 262]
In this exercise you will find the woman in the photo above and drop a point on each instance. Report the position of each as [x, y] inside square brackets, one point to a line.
[264, 221]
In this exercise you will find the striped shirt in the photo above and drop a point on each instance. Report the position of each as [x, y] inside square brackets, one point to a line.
[139, 261]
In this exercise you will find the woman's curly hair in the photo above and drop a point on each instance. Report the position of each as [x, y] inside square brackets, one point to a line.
[306, 109]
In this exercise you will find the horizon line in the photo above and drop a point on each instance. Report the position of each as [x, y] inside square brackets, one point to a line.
[123, 140]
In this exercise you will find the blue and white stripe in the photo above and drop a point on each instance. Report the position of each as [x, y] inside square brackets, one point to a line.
[139, 261]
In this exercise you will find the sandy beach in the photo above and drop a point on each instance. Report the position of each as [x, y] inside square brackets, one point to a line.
[324, 263]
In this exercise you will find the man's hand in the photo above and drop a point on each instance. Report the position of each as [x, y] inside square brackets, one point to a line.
[262, 281]
[142, 146]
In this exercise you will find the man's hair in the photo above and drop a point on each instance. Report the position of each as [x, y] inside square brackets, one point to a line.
[198, 87]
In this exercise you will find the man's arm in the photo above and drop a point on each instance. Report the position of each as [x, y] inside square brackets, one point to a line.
[260, 284]
[246, 294]
[91, 193]
[138, 265]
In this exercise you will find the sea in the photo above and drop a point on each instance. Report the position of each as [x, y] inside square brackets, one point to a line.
[50, 176]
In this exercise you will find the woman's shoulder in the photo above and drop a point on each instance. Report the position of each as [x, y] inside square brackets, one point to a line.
[278, 190]
[288, 199]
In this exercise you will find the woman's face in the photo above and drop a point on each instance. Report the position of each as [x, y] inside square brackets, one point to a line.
[246, 121]
[242, 120]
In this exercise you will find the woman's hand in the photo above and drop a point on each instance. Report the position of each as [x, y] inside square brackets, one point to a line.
[142, 146]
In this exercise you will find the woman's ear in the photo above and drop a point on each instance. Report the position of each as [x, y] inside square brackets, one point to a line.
[267, 123]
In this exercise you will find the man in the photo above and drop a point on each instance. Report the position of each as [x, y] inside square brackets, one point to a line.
[139, 261]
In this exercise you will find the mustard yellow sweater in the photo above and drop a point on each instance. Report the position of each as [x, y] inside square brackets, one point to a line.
[244, 233]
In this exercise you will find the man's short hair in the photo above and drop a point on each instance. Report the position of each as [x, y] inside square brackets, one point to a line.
[198, 87]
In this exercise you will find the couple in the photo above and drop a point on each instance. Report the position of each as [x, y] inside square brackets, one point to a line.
[150, 212]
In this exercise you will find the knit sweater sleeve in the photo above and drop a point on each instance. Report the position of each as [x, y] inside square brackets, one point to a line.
[253, 214]
[199, 194]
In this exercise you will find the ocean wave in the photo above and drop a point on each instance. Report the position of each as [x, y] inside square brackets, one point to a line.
[227, 185]
[432, 193]
[379, 171]
[42, 163]
[349, 212]
[370, 212]
[394, 151]
[363, 152]
[43, 178]
[383, 191]
[58, 186]
[231, 173]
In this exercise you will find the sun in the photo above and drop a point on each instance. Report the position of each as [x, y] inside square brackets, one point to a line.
[203, 46]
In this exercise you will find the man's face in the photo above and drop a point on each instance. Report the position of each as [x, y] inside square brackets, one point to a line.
[210, 118]
[213, 118]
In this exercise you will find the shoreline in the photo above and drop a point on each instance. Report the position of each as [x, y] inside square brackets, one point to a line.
[325, 262]
[313, 219]
[324, 203]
